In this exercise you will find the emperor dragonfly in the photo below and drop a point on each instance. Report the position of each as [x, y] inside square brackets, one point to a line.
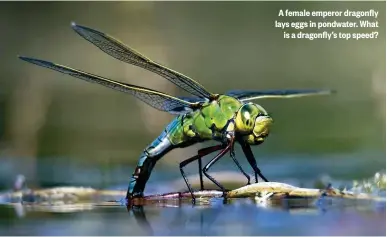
[226, 118]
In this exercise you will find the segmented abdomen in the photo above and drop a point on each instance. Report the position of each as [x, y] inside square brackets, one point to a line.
[170, 138]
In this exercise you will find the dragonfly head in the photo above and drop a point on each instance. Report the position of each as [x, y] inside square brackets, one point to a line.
[253, 123]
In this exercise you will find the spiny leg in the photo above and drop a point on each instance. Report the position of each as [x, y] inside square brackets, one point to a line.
[232, 154]
[213, 161]
[201, 174]
[201, 153]
[253, 163]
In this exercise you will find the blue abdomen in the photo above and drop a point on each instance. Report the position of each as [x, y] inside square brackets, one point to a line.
[151, 154]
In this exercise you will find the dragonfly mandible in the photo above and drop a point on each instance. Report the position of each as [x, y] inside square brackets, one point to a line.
[226, 118]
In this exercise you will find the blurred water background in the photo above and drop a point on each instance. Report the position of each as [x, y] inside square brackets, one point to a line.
[57, 130]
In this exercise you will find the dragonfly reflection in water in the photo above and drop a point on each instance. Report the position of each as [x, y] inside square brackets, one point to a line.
[225, 118]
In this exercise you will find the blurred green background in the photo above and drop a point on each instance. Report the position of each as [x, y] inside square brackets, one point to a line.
[59, 130]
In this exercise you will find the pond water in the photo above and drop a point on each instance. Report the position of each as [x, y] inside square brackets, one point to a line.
[239, 218]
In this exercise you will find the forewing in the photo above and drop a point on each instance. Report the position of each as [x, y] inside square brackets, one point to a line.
[153, 98]
[246, 95]
[122, 52]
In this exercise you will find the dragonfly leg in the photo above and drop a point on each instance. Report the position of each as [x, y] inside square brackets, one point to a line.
[213, 161]
[232, 154]
[201, 174]
[201, 153]
[253, 163]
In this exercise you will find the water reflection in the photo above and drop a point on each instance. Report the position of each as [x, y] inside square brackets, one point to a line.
[202, 215]
[237, 217]
[208, 219]
[141, 219]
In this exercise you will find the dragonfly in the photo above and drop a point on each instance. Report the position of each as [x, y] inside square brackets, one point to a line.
[227, 118]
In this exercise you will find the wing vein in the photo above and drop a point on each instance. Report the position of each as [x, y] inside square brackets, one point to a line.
[247, 95]
[156, 99]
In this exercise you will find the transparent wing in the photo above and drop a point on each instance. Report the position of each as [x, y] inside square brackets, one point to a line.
[246, 95]
[153, 98]
[122, 52]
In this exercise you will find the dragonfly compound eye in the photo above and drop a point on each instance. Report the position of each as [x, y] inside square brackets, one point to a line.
[246, 117]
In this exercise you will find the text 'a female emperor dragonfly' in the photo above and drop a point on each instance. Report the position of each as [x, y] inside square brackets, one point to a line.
[225, 118]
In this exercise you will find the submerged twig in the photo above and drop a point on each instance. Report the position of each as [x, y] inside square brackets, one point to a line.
[292, 191]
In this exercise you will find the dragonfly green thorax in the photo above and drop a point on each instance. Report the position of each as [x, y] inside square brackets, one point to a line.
[253, 123]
